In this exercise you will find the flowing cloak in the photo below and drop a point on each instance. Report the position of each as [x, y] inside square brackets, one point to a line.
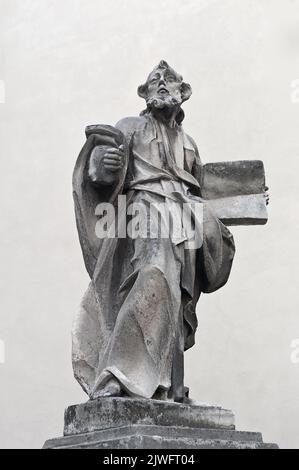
[127, 322]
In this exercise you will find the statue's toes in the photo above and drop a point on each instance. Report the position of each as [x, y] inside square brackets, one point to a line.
[111, 389]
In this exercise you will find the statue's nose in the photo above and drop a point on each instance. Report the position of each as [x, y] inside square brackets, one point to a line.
[162, 81]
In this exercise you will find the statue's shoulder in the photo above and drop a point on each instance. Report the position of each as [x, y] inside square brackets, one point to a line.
[129, 125]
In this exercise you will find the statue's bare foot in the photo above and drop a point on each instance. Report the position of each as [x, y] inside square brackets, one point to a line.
[111, 389]
[161, 394]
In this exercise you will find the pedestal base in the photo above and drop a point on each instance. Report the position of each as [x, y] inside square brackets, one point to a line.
[121, 423]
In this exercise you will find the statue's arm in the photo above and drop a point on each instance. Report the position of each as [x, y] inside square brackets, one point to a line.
[107, 161]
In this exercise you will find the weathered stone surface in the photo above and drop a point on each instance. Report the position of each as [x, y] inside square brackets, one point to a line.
[236, 191]
[241, 210]
[228, 179]
[159, 437]
[119, 423]
[118, 412]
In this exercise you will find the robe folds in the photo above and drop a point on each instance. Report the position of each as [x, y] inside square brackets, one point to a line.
[142, 290]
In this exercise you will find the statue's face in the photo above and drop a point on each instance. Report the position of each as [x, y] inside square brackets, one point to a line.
[164, 86]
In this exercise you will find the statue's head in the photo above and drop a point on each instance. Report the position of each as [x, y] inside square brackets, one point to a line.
[164, 88]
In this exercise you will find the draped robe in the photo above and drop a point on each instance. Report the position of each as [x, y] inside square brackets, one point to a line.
[140, 306]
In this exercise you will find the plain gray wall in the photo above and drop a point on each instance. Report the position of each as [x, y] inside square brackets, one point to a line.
[66, 64]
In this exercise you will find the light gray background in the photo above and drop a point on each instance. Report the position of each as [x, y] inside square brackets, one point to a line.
[69, 63]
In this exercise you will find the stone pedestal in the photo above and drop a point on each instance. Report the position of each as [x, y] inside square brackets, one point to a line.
[122, 423]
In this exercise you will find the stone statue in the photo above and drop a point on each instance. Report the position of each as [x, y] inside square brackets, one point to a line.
[152, 222]
[138, 315]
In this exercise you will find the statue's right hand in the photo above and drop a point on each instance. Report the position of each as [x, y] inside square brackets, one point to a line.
[114, 158]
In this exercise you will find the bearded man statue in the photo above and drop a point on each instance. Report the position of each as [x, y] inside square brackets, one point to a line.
[138, 315]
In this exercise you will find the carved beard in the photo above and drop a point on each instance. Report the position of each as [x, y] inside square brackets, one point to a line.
[158, 102]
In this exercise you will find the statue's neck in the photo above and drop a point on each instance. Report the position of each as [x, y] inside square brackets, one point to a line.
[166, 115]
